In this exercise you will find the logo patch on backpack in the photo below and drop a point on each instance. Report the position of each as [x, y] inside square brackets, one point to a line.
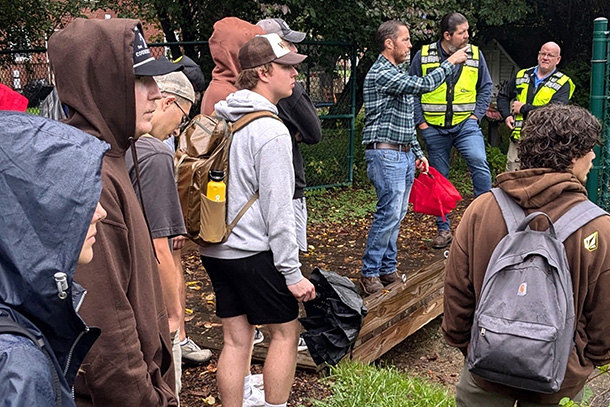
[522, 290]
[590, 242]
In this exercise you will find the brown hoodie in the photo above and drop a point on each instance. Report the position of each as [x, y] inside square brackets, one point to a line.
[478, 233]
[229, 35]
[130, 364]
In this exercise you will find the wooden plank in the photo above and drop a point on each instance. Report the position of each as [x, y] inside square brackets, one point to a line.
[393, 314]
[374, 348]
[398, 297]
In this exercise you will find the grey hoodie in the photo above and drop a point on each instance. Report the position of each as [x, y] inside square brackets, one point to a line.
[260, 159]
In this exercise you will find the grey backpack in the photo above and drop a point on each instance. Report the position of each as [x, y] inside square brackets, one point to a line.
[523, 327]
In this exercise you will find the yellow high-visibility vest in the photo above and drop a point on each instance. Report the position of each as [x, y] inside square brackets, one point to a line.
[447, 106]
[543, 94]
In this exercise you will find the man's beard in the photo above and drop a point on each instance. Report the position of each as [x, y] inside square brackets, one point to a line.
[452, 48]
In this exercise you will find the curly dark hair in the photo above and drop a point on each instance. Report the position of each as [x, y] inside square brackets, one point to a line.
[556, 134]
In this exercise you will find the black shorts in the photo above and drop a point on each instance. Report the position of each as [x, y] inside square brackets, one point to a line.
[251, 286]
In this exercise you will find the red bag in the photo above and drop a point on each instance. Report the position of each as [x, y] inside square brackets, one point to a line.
[11, 100]
[433, 194]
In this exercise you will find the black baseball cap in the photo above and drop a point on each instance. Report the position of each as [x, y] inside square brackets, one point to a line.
[144, 64]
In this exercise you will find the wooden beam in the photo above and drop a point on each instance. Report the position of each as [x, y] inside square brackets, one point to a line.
[378, 345]
[394, 313]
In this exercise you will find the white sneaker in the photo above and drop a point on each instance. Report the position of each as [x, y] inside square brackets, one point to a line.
[256, 380]
[193, 354]
[302, 346]
[258, 336]
[256, 399]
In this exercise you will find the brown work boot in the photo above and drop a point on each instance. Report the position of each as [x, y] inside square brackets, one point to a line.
[387, 279]
[371, 285]
[442, 240]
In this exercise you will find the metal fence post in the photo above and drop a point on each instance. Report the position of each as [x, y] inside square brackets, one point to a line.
[598, 94]
[353, 80]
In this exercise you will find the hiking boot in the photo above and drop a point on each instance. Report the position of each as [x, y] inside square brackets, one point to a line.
[258, 336]
[387, 279]
[192, 354]
[442, 240]
[371, 285]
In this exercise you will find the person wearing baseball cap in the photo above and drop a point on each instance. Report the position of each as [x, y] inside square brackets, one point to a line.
[300, 116]
[160, 200]
[256, 273]
[104, 75]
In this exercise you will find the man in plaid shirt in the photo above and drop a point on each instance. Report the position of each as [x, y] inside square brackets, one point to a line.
[392, 151]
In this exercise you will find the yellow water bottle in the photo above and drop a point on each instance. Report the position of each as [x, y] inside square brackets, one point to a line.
[217, 189]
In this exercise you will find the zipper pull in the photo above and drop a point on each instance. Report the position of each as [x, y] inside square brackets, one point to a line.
[483, 331]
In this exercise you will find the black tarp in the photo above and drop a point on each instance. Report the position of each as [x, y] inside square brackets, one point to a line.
[334, 317]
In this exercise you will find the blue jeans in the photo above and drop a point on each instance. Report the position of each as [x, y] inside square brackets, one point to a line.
[392, 173]
[468, 140]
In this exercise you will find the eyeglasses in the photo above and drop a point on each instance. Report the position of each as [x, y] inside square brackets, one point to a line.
[185, 117]
[545, 54]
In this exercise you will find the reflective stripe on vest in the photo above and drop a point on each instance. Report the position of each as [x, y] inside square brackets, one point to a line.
[543, 95]
[447, 106]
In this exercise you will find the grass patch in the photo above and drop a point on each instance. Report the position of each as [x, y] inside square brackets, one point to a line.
[357, 384]
[339, 205]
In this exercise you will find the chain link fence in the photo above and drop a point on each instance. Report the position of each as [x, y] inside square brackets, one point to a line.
[326, 75]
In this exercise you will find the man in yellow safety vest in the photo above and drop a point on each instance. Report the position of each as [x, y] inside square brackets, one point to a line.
[449, 115]
[530, 89]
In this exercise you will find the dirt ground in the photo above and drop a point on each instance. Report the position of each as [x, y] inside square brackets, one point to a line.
[338, 248]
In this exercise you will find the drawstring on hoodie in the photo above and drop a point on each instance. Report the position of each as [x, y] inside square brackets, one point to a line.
[134, 156]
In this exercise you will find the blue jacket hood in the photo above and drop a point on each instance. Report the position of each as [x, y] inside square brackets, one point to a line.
[50, 183]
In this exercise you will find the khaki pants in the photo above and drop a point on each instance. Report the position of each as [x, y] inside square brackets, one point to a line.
[512, 159]
[469, 394]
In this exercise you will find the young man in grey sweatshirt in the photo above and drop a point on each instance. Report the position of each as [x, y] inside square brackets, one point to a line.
[256, 273]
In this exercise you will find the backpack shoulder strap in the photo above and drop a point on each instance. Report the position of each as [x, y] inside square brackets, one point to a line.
[513, 214]
[8, 326]
[240, 123]
[250, 117]
[241, 213]
[576, 217]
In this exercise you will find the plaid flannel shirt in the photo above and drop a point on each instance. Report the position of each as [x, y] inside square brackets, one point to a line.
[388, 102]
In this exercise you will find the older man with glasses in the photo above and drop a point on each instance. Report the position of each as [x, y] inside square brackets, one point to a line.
[159, 198]
[531, 89]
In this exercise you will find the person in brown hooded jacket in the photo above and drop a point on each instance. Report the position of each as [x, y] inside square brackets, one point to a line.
[556, 155]
[229, 35]
[103, 70]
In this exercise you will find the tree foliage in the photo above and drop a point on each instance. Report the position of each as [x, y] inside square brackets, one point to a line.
[521, 26]
[27, 23]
